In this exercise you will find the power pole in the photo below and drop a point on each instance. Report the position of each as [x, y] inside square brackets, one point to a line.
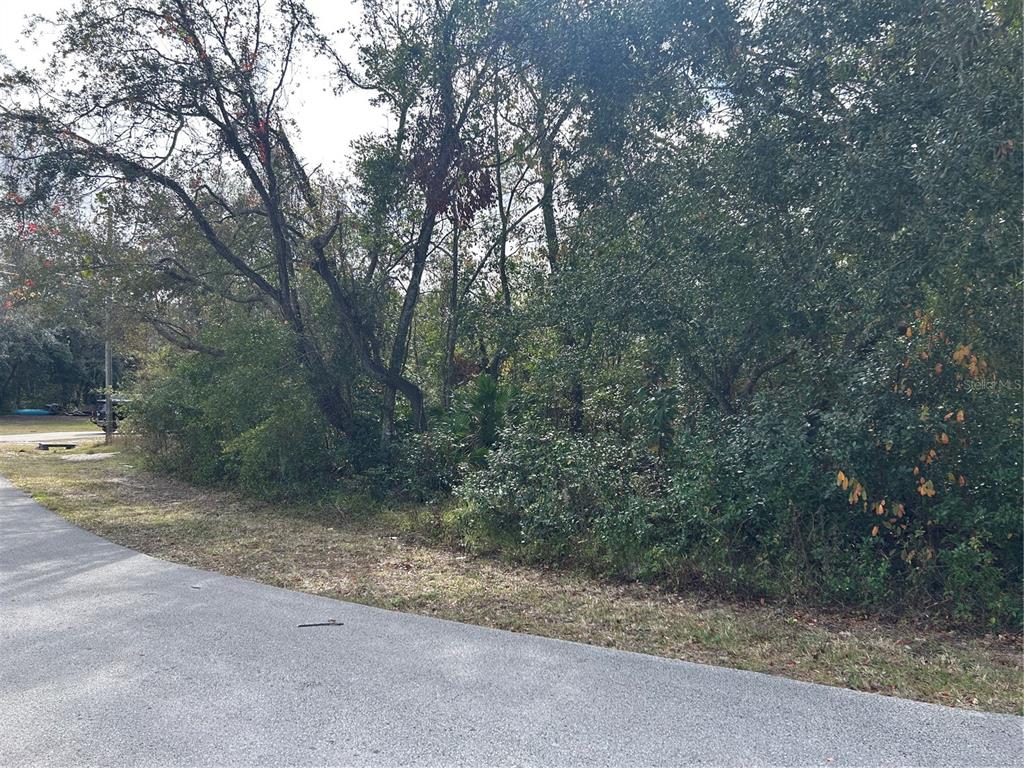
[108, 427]
[108, 364]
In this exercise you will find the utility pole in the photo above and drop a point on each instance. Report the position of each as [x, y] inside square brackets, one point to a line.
[108, 364]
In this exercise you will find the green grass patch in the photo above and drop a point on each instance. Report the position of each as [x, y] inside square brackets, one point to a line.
[33, 425]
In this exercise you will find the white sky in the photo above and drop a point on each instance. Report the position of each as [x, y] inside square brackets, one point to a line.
[328, 123]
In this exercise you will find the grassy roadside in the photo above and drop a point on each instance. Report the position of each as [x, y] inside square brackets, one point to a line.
[34, 425]
[345, 552]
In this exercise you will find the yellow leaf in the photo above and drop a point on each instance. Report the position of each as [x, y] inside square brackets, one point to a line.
[917, 471]
[858, 491]
[960, 415]
[841, 480]
[880, 507]
[951, 477]
[874, 531]
[944, 438]
[910, 331]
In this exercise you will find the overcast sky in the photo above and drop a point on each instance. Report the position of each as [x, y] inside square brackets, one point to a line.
[328, 123]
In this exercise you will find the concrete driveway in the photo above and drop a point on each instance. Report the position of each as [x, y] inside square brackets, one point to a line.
[111, 657]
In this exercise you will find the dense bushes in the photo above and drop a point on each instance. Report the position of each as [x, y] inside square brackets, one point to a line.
[239, 418]
[859, 503]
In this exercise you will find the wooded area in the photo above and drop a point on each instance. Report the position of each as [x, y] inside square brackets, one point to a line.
[697, 293]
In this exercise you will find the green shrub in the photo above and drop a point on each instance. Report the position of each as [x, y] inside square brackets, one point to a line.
[561, 495]
[245, 419]
[755, 504]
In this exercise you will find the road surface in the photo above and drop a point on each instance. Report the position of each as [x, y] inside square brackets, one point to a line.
[51, 437]
[111, 657]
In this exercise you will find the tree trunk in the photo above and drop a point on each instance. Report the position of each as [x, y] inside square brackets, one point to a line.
[574, 393]
[395, 382]
[452, 330]
[365, 343]
[328, 395]
[547, 201]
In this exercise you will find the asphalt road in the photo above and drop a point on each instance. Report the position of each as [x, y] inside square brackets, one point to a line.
[51, 437]
[111, 657]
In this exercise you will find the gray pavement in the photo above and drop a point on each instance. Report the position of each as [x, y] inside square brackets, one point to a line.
[110, 657]
[51, 437]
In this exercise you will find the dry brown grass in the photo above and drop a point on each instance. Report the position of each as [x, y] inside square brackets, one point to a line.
[348, 553]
